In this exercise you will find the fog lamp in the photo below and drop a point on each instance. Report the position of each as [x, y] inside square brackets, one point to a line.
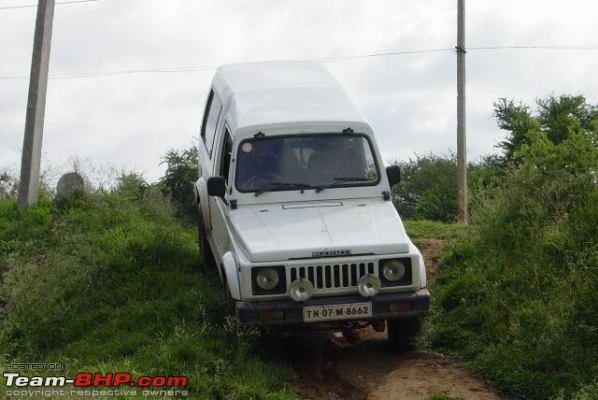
[368, 285]
[301, 290]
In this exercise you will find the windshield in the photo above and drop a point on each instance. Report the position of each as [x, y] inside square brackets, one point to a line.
[305, 162]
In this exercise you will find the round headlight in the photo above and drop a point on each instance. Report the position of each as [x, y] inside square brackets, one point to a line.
[368, 285]
[301, 290]
[393, 270]
[267, 278]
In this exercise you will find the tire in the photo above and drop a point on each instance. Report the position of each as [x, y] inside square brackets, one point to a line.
[207, 261]
[402, 332]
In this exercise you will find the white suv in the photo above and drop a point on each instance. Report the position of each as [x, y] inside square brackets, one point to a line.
[295, 206]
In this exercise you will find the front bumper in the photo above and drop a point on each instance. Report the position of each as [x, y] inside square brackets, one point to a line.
[260, 312]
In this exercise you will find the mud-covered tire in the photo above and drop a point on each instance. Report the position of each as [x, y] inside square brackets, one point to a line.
[401, 333]
[206, 257]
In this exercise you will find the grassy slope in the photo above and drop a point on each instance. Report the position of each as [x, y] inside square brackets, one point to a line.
[519, 297]
[527, 328]
[112, 285]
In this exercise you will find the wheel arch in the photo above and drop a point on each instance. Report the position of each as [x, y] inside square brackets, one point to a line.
[203, 203]
[229, 270]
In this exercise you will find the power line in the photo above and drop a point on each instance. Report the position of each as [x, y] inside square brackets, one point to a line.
[35, 5]
[213, 67]
[534, 48]
[325, 60]
[84, 75]
[390, 53]
[134, 71]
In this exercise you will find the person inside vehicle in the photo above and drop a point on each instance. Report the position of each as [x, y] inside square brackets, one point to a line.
[259, 163]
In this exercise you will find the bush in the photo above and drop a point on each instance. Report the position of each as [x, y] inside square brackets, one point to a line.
[131, 186]
[520, 299]
[8, 186]
[428, 187]
[177, 182]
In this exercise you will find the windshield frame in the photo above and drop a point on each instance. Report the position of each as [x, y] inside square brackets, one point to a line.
[317, 188]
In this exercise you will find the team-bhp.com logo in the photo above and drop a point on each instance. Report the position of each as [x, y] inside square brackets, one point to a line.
[89, 380]
[85, 379]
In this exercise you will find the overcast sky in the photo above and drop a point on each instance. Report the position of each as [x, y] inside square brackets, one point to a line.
[129, 120]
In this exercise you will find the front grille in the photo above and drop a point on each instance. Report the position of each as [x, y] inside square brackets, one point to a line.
[332, 276]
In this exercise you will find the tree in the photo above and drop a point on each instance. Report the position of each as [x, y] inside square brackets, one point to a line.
[558, 118]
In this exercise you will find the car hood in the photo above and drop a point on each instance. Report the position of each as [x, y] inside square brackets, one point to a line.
[272, 233]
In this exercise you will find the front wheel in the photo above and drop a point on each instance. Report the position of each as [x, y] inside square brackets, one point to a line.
[402, 332]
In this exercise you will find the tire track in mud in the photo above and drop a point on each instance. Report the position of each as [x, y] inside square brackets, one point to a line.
[330, 366]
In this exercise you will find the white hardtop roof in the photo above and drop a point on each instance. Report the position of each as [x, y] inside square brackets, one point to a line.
[274, 94]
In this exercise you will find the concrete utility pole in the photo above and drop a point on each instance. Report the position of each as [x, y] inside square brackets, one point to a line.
[36, 105]
[462, 213]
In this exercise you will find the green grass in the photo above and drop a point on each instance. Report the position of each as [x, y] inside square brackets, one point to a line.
[530, 332]
[111, 284]
[445, 397]
[417, 229]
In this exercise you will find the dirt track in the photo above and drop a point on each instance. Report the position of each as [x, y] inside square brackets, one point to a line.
[330, 366]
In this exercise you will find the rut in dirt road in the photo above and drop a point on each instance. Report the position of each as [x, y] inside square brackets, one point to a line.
[332, 367]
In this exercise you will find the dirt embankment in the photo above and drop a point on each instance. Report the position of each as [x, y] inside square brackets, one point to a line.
[334, 367]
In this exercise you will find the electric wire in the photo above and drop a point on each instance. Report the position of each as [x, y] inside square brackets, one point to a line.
[35, 5]
[325, 60]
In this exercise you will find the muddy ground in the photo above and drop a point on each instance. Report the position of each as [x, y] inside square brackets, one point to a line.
[333, 367]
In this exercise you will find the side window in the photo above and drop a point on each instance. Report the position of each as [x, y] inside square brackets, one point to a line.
[225, 158]
[210, 120]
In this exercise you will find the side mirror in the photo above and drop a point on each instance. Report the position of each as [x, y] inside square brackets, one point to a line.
[393, 173]
[216, 186]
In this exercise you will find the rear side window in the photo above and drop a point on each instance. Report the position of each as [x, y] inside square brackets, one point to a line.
[210, 120]
[227, 150]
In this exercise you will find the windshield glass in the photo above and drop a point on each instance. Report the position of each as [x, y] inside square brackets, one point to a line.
[305, 162]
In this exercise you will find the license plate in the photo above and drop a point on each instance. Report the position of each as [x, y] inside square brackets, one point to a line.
[335, 312]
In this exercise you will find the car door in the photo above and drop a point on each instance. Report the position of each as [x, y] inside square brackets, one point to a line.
[219, 206]
[212, 113]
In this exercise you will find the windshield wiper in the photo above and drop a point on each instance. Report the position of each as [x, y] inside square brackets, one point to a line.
[284, 185]
[351, 179]
[340, 180]
[298, 185]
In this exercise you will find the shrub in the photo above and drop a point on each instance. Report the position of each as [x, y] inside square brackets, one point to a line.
[428, 187]
[8, 186]
[131, 185]
[177, 182]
